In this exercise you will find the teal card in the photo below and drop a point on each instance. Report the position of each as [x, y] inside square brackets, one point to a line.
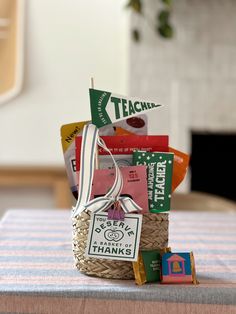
[159, 178]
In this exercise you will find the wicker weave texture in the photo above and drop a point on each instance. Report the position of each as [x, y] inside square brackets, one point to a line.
[154, 235]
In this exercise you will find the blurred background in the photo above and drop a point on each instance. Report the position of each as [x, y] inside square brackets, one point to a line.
[179, 53]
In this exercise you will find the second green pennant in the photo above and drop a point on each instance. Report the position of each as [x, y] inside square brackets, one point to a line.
[107, 108]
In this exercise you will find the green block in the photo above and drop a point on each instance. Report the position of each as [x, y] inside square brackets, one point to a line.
[152, 265]
[159, 177]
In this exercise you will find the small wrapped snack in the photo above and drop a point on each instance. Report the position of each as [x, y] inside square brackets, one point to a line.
[181, 163]
[139, 271]
[148, 266]
[178, 268]
[152, 265]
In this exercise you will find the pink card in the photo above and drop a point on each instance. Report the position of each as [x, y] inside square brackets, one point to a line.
[135, 184]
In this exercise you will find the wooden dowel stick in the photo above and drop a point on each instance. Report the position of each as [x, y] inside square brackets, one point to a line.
[96, 156]
[92, 83]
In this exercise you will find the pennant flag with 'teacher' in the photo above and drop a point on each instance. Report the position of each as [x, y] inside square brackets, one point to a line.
[107, 108]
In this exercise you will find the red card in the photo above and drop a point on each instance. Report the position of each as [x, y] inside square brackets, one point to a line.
[122, 147]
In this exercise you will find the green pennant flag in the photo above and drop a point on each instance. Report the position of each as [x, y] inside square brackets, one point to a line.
[107, 108]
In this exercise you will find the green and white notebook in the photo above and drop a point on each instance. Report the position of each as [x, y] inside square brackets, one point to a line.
[159, 178]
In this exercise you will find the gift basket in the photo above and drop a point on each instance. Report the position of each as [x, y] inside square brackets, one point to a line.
[122, 179]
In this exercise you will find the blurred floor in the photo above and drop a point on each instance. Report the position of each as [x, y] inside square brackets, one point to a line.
[2, 211]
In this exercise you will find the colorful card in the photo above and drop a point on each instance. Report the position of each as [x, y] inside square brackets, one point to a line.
[114, 239]
[68, 135]
[134, 184]
[131, 126]
[159, 176]
[122, 148]
[152, 264]
[178, 268]
[71, 130]
[180, 167]
[107, 108]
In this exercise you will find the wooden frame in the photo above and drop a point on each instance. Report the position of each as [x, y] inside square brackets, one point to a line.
[36, 177]
[12, 21]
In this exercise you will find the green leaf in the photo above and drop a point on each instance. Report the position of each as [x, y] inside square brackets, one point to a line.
[167, 2]
[136, 35]
[136, 5]
[166, 31]
[163, 17]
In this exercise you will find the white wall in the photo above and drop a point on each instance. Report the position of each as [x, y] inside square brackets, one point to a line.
[193, 74]
[67, 42]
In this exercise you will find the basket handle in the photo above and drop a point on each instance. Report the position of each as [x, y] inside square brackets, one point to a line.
[90, 140]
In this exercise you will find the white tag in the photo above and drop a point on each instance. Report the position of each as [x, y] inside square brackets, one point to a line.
[114, 239]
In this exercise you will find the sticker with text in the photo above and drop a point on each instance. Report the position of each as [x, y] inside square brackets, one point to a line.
[159, 177]
[113, 239]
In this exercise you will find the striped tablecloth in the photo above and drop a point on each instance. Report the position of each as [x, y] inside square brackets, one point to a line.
[37, 273]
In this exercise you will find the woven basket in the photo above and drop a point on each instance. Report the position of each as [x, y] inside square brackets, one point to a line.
[154, 235]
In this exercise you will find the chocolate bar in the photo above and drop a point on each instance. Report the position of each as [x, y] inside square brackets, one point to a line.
[178, 268]
[148, 266]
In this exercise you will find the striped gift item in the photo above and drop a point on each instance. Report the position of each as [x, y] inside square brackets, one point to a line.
[154, 234]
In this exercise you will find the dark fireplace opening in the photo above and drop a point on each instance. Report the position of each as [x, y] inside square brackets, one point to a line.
[213, 163]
